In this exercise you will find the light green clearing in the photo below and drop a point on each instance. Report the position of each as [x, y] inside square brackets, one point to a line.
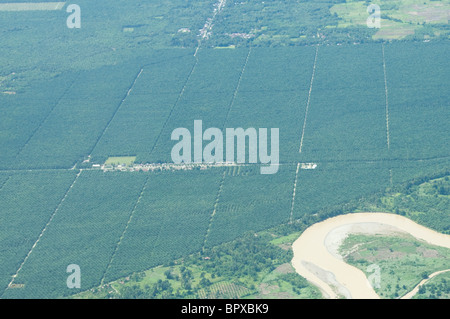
[32, 6]
[232, 46]
[399, 18]
[403, 260]
[153, 275]
[124, 160]
[289, 239]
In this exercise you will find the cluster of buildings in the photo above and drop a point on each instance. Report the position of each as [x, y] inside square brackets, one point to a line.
[308, 165]
[240, 35]
[150, 167]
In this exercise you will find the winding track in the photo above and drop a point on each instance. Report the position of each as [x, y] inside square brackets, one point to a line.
[413, 292]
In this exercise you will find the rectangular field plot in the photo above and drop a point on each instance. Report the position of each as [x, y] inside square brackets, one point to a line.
[164, 76]
[208, 107]
[68, 135]
[27, 202]
[209, 103]
[337, 183]
[418, 82]
[418, 65]
[169, 222]
[273, 94]
[345, 124]
[278, 69]
[349, 67]
[347, 112]
[282, 110]
[217, 71]
[250, 201]
[107, 82]
[135, 128]
[20, 118]
[419, 122]
[23, 113]
[84, 231]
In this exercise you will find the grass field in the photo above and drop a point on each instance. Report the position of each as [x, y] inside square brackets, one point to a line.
[399, 19]
[121, 160]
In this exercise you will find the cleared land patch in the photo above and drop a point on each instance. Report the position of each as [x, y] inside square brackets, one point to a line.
[120, 160]
[32, 6]
[399, 19]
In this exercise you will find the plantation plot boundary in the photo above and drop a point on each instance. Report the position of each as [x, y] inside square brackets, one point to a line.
[124, 230]
[387, 99]
[216, 203]
[236, 90]
[42, 233]
[174, 106]
[66, 91]
[3, 183]
[309, 99]
[117, 109]
[418, 99]
[348, 118]
[294, 193]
